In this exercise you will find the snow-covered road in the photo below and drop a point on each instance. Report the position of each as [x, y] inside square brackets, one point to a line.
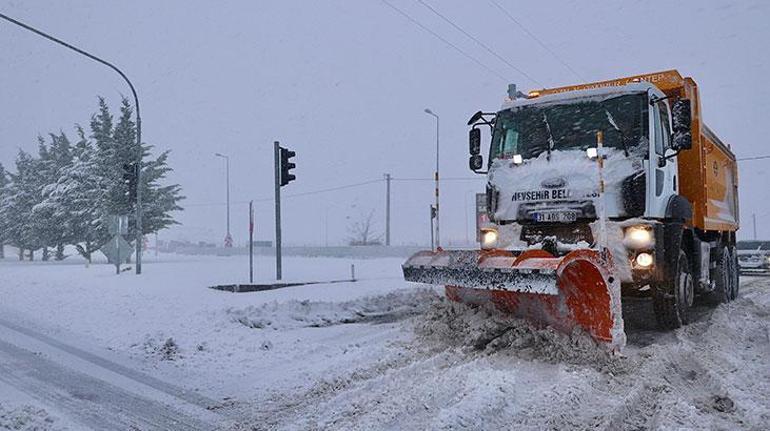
[94, 391]
[80, 347]
[713, 374]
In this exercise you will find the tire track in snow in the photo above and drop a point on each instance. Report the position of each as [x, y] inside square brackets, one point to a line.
[85, 399]
[173, 390]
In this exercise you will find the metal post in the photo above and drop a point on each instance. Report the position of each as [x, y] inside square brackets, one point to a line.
[277, 150]
[387, 209]
[139, 232]
[228, 236]
[251, 241]
[227, 174]
[432, 240]
[438, 235]
[138, 127]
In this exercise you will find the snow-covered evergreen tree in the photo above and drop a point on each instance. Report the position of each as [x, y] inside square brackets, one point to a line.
[49, 215]
[78, 197]
[3, 185]
[66, 194]
[158, 201]
[22, 194]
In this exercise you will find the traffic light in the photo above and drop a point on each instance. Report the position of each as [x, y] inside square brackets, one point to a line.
[287, 166]
[130, 178]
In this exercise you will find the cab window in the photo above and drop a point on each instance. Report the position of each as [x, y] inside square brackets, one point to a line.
[662, 131]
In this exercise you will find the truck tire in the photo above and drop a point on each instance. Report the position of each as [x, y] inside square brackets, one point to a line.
[672, 300]
[723, 278]
[736, 274]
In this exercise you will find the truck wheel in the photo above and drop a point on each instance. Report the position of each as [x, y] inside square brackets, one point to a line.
[723, 279]
[736, 274]
[672, 300]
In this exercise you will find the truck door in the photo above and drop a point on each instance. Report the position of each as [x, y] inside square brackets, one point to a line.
[662, 181]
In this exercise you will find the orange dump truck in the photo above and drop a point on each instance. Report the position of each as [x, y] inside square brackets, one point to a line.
[597, 192]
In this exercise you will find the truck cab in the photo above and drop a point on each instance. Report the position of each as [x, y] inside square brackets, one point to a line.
[611, 165]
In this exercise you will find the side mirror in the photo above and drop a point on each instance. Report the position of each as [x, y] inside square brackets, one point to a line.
[474, 140]
[681, 118]
[682, 141]
[475, 162]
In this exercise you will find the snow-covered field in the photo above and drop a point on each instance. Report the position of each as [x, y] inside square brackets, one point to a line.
[376, 354]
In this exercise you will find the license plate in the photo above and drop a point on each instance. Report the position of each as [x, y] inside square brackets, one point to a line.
[556, 216]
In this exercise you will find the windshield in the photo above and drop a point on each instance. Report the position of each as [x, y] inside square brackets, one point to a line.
[532, 130]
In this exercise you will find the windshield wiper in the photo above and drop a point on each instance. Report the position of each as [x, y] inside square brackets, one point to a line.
[550, 136]
[622, 135]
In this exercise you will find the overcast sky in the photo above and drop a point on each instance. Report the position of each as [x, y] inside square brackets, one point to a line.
[344, 84]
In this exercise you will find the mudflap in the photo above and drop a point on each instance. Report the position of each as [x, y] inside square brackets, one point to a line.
[578, 290]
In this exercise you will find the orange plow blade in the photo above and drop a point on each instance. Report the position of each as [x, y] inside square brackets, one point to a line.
[577, 290]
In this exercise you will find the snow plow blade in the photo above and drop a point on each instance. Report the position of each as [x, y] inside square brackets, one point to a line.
[577, 290]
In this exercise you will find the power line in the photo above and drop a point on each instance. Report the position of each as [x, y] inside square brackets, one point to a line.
[442, 179]
[332, 189]
[743, 159]
[478, 42]
[536, 39]
[450, 44]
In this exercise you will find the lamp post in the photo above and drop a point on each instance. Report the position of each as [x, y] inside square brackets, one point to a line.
[438, 237]
[228, 238]
[139, 232]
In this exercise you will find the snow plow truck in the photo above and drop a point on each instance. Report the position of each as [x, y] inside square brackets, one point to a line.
[596, 192]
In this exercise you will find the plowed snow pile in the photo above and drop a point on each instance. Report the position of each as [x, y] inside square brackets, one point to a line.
[484, 329]
[318, 314]
[471, 368]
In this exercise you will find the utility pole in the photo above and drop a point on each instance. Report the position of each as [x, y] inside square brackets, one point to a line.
[251, 241]
[228, 237]
[139, 233]
[754, 222]
[438, 236]
[277, 150]
[387, 209]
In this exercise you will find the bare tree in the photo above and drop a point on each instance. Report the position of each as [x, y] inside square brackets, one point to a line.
[361, 231]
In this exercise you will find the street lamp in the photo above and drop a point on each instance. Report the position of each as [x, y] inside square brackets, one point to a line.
[228, 238]
[139, 232]
[438, 237]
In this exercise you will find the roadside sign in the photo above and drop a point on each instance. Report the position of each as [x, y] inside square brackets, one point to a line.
[117, 224]
[117, 250]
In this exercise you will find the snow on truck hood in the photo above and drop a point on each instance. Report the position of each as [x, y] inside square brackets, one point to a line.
[569, 176]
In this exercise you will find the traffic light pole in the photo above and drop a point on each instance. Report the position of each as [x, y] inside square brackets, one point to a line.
[277, 210]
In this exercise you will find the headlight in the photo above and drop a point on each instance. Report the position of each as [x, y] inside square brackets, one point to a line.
[644, 260]
[488, 238]
[638, 237]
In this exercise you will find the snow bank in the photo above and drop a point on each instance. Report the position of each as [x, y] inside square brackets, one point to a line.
[298, 314]
[449, 324]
